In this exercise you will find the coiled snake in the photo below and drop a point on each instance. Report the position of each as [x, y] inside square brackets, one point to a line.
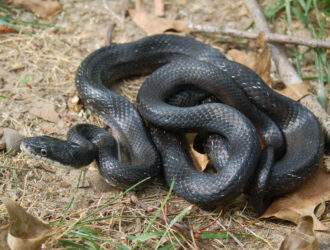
[243, 111]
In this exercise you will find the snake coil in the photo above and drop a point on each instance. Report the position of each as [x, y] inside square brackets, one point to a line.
[192, 88]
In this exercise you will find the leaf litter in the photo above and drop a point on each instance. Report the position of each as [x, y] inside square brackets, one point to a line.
[24, 230]
[52, 58]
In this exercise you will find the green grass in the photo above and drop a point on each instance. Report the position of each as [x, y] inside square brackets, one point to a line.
[81, 236]
[155, 217]
[89, 236]
[10, 17]
[302, 10]
[13, 169]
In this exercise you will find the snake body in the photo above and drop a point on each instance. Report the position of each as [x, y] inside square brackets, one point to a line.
[291, 135]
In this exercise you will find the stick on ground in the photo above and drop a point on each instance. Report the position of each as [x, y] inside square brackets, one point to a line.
[286, 71]
[270, 37]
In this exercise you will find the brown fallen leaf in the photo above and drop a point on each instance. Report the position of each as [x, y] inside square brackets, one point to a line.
[263, 60]
[3, 237]
[259, 62]
[303, 237]
[24, 231]
[44, 110]
[44, 8]
[200, 160]
[296, 91]
[303, 201]
[242, 58]
[152, 24]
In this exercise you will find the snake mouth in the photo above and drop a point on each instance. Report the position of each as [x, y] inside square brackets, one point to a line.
[25, 147]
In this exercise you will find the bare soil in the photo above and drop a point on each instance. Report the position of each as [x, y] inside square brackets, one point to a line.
[42, 68]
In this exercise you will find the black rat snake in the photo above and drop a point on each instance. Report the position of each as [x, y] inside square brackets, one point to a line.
[192, 88]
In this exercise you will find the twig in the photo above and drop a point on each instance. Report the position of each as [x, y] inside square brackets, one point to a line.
[108, 39]
[270, 37]
[164, 210]
[286, 71]
[234, 229]
[210, 224]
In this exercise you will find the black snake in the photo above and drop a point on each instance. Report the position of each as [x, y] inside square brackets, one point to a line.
[290, 134]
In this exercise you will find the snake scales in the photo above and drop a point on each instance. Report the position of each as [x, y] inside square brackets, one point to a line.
[192, 88]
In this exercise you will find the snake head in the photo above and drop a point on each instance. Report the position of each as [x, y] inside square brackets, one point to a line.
[58, 152]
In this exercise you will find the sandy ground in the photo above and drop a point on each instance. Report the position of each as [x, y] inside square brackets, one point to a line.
[42, 69]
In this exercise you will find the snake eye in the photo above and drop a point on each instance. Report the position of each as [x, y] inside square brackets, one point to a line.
[43, 152]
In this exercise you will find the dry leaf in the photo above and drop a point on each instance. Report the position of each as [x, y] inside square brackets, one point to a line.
[303, 201]
[260, 62]
[44, 110]
[3, 237]
[159, 8]
[24, 231]
[303, 237]
[44, 8]
[263, 60]
[152, 24]
[296, 91]
[200, 160]
[242, 58]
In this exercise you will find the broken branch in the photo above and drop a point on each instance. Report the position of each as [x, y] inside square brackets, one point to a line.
[270, 37]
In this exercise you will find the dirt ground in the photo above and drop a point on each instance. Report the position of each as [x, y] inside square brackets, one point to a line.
[42, 68]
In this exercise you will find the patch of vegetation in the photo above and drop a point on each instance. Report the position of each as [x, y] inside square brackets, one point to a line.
[10, 17]
[312, 14]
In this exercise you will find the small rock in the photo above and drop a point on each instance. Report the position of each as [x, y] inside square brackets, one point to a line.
[12, 139]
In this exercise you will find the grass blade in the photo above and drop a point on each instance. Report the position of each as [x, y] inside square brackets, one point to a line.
[224, 235]
[146, 236]
[112, 201]
[289, 19]
[179, 216]
[157, 214]
[72, 199]
[72, 244]
[272, 11]
[15, 168]
[118, 246]
[4, 8]
[30, 23]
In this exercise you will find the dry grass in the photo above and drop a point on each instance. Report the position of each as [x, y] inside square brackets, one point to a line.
[43, 67]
